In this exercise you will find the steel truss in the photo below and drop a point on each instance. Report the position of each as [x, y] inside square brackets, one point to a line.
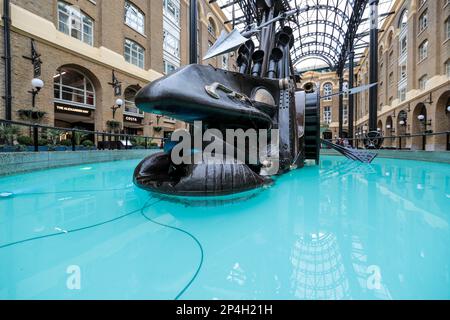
[323, 29]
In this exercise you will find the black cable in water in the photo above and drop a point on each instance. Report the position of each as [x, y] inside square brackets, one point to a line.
[192, 237]
[14, 195]
[146, 205]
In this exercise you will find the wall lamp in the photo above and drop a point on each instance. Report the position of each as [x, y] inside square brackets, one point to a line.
[117, 105]
[36, 84]
[422, 119]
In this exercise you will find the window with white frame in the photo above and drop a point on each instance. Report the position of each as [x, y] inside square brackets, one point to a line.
[73, 22]
[169, 67]
[423, 50]
[447, 68]
[327, 115]
[403, 68]
[134, 53]
[212, 27]
[171, 44]
[403, 38]
[327, 91]
[225, 59]
[345, 89]
[402, 93]
[423, 82]
[134, 18]
[345, 114]
[171, 9]
[447, 29]
[73, 88]
[404, 45]
[423, 21]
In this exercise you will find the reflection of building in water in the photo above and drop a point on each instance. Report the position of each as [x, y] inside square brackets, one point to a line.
[366, 273]
[319, 271]
[237, 275]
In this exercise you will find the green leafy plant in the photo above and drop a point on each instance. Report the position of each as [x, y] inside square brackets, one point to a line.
[157, 129]
[88, 143]
[79, 137]
[53, 136]
[139, 141]
[31, 114]
[42, 142]
[8, 133]
[25, 140]
[113, 125]
[66, 143]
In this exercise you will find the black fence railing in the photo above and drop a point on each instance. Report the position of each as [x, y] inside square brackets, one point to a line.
[419, 141]
[20, 136]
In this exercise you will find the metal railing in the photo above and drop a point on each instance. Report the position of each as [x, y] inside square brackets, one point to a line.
[20, 136]
[417, 141]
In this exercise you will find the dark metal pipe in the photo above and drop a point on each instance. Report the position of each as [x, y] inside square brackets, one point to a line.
[341, 107]
[245, 53]
[275, 57]
[7, 57]
[283, 40]
[351, 102]
[373, 52]
[242, 62]
[193, 54]
[258, 58]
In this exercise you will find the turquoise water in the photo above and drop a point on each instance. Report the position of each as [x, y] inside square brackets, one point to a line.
[339, 231]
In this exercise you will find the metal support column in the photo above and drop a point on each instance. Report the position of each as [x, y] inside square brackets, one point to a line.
[193, 32]
[373, 94]
[341, 107]
[351, 97]
[7, 57]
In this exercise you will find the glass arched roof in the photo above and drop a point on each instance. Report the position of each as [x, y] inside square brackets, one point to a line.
[323, 29]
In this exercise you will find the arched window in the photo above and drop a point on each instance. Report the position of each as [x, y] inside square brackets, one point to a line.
[327, 91]
[75, 23]
[423, 50]
[130, 106]
[212, 27]
[403, 21]
[134, 17]
[390, 37]
[345, 89]
[134, 53]
[74, 88]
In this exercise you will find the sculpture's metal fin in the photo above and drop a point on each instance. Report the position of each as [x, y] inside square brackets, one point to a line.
[351, 91]
[227, 42]
[353, 154]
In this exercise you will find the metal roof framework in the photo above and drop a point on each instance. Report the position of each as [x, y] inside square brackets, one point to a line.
[325, 30]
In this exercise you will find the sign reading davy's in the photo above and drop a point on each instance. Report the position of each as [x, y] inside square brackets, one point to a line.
[73, 110]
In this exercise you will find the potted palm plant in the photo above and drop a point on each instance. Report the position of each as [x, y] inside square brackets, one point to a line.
[7, 135]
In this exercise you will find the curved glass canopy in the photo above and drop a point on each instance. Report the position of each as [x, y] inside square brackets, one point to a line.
[325, 30]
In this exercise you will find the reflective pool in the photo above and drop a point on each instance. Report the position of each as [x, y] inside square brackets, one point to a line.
[340, 230]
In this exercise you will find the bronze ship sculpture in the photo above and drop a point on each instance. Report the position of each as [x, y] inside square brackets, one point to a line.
[263, 95]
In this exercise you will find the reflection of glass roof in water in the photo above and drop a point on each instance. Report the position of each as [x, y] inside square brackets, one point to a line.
[322, 29]
[319, 271]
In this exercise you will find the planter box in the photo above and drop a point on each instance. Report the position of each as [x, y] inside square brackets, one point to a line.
[8, 149]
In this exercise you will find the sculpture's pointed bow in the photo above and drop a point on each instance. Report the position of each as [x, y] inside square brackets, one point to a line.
[184, 95]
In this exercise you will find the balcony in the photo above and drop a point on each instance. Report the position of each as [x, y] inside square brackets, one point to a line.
[132, 110]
